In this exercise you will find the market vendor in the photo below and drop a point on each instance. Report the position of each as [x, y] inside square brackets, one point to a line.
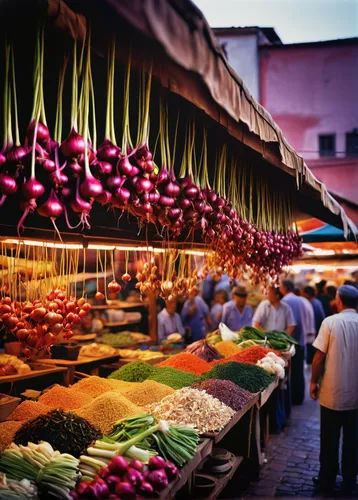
[195, 315]
[273, 314]
[169, 320]
[236, 313]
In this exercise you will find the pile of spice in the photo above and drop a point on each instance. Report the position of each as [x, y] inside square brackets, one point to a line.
[195, 408]
[93, 386]
[227, 348]
[27, 410]
[172, 377]
[187, 362]
[136, 371]
[64, 398]
[65, 431]
[225, 391]
[122, 385]
[250, 355]
[249, 377]
[7, 432]
[148, 392]
[108, 408]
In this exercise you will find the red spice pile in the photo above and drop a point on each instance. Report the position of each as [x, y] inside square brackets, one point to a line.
[250, 355]
[187, 362]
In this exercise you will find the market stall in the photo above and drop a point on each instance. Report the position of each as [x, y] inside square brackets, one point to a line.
[134, 164]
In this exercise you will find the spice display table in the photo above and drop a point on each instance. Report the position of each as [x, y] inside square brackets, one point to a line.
[265, 394]
[87, 364]
[218, 436]
[18, 383]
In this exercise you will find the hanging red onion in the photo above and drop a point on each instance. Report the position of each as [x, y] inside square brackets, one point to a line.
[17, 154]
[143, 185]
[43, 133]
[104, 198]
[8, 184]
[124, 167]
[107, 151]
[52, 208]
[166, 201]
[74, 145]
[32, 189]
[49, 165]
[153, 197]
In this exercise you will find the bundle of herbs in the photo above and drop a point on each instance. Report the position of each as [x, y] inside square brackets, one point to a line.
[65, 431]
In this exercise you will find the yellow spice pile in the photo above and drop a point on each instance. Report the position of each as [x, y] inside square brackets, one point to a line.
[227, 348]
[105, 410]
[93, 386]
[148, 392]
[122, 385]
[65, 398]
[8, 430]
[27, 410]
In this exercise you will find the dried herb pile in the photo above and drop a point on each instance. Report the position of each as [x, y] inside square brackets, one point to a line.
[225, 391]
[172, 377]
[136, 371]
[187, 362]
[249, 377]
[65, 431]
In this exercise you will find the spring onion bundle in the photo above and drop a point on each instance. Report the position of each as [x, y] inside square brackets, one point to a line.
[54, 473]
[174, 442]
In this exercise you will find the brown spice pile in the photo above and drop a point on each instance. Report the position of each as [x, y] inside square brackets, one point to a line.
[105, 410]
[93, 386]
[7, 432]
[148, 392]
[65, 398]
[27, 410]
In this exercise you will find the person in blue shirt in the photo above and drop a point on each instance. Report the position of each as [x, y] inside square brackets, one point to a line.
[236, 313]
[319, 316]
[169, 321]
[297, 374]
[195, 315]
[217, 309]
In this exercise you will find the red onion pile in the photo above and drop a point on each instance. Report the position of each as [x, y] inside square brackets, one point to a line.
[134, 480]
[37, 324]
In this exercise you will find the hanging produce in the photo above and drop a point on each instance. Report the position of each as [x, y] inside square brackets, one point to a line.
[244, 218]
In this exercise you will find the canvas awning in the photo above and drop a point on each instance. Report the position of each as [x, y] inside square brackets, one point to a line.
[188, 60]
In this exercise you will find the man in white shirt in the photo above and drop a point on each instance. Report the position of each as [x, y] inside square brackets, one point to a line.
[335, 381]
[169, 321]
[273, 314]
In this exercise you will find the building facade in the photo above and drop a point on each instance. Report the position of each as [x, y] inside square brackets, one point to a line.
[311, 90]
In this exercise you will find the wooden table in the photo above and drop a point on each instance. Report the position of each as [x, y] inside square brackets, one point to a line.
[218, 436]
[85, 362]
[266, 393]
[37, 370]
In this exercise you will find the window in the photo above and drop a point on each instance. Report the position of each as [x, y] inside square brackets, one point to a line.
[327, 145]
[352, 142]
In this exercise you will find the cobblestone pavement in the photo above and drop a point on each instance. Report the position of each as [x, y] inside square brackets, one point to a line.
[292, 456]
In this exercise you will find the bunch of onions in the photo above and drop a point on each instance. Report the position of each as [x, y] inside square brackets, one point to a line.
[37, 324]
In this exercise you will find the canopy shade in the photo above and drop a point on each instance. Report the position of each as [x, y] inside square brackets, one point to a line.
[188, 61]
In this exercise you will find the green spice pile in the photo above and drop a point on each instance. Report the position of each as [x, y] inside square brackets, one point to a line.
[225, 391]
[249, 377]
[136, 371]
[172, 377]
[65, 431]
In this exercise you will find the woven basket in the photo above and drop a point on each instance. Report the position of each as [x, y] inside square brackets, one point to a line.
[8, 406]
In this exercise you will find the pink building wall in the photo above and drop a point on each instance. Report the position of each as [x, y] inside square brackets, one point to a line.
[312, 89]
